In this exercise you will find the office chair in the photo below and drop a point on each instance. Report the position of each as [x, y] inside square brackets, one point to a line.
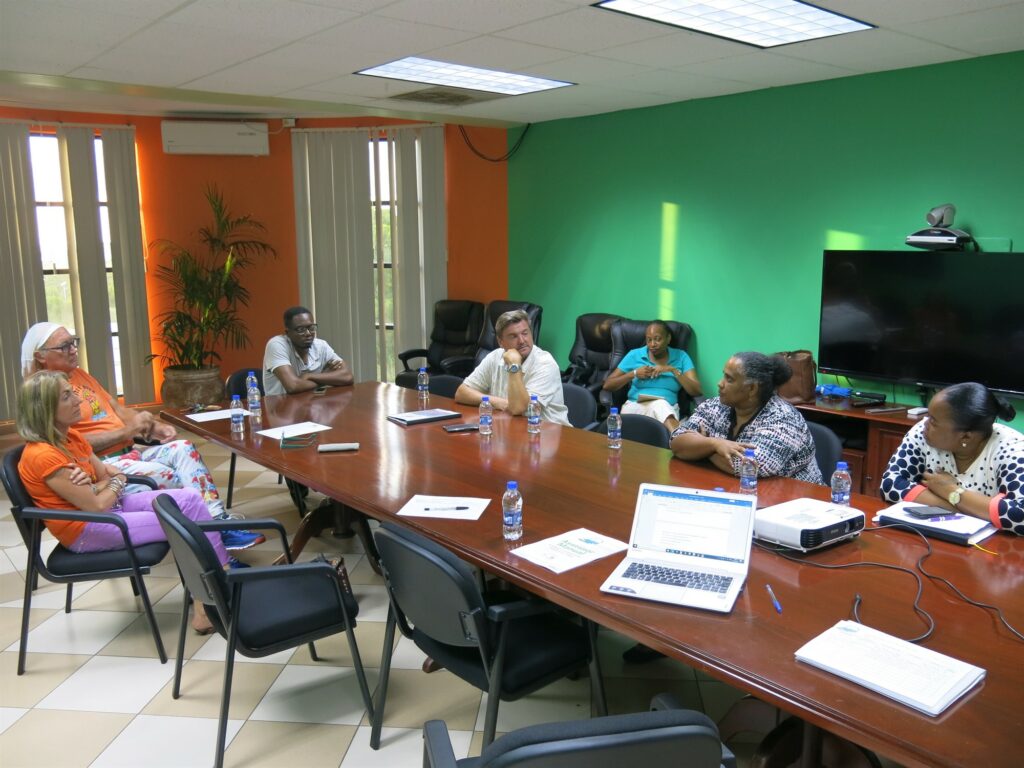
[457, 325]
[66, 567]
[259, 611]
[591, 351]
[641, 429]
[665, 737]
[828, 449]
[499, 642]
[444, 385]
[581, 404]
[487, 341]
[628, 335]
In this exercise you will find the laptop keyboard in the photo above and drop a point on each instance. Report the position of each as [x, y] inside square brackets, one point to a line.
[678, 578]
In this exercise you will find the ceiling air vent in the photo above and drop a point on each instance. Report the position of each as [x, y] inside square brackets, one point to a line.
[447, 97]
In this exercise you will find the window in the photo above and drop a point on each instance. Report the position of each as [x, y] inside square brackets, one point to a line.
[382, 209]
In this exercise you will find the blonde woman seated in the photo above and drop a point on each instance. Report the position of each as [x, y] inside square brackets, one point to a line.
[655, 374]
[60, 471]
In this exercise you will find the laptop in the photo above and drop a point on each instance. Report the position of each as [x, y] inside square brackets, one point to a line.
[688, 547]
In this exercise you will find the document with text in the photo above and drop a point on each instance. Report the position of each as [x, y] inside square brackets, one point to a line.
[569, 550]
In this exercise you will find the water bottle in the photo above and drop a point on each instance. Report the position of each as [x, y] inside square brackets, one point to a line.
[533, 416]
[237, 416]
[486, 415]
[512, 512]
[252, 395]
[423, 384]
[614, 429]
[841, 484]
[748, 472]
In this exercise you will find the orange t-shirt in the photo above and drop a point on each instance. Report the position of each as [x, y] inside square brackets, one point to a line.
[40, 461]
[98, 414]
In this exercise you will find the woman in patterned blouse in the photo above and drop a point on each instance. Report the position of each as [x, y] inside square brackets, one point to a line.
[960, 459]
[748, 414]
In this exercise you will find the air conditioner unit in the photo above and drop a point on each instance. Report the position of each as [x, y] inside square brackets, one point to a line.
[203, 138]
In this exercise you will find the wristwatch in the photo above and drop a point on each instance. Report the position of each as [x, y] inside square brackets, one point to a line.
[954, 496]
[514, 368]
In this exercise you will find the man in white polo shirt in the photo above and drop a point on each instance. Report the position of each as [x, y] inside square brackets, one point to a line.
[297, 361]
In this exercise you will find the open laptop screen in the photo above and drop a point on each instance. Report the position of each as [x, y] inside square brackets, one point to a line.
[695, 524]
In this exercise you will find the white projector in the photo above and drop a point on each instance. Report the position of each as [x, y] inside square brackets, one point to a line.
[807, 524]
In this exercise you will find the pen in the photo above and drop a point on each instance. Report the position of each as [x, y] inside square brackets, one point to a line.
[775, 600]
[445, 509]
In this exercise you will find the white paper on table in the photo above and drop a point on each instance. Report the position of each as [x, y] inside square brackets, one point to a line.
[220, 413]
[447, 507]
[570, 550]
[293, 430]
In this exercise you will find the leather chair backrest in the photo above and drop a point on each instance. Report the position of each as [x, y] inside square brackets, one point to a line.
[235, 384]
[581, 405]
[828, 449]
[631, 334]
[592, 349]
[16, 490]
[457, 324]
[487, 341]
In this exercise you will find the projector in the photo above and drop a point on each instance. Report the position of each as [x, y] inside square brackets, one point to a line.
[807, 524]
[939, 239]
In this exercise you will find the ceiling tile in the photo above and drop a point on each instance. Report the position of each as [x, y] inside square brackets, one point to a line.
[474, 15]
[973, 32]
[590, 70]
[585, 30]
[268, 20]
[888, 12]
[675, 49]
[378, 40]
[496, 53]
[873, 50]
[766, 69]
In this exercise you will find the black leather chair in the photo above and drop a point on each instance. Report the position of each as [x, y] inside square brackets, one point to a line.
[66, 567]
[259, 611]
[487, 341]
[444, 385]
[499, 642]
[641, 429]
[665, 737]
[591, 351]
[457, 325]
[827, 449]
[628, 335]
[582, 406]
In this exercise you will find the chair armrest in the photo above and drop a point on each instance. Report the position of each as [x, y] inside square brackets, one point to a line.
[437, 745]
[411, 354]
[265, 524]
[289, 571]
[665, 701]
[592, 426]
[149, 482]
[37, 513]
[459, 365]
[518, 609]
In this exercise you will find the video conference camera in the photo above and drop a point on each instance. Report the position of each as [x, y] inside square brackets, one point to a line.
[940, 236]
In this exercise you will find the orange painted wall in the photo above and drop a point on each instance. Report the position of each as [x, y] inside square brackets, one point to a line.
[173, 206]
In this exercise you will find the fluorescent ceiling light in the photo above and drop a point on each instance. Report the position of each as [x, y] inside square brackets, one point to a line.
[419, 70]
[764, 23]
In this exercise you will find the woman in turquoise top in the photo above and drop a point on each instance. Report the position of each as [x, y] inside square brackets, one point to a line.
[655, 374]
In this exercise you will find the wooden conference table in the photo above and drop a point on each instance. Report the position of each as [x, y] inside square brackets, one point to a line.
[570, 479]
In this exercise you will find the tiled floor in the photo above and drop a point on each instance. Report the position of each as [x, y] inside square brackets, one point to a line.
[94, 693]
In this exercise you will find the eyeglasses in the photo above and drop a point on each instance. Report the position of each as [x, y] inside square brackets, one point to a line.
[64, 348]
[305, 330]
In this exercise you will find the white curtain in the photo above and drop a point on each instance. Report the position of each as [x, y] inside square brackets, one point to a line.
[337, 194]
[22, 296]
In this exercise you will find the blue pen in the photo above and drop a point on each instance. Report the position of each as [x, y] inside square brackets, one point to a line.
[775, 600]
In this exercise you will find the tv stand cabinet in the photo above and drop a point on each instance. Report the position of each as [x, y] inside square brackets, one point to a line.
[869, 439]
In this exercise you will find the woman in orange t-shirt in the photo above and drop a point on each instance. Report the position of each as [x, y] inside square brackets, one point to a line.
[60, 470]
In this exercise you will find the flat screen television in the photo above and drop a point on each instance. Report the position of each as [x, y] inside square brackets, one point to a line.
[924, 317]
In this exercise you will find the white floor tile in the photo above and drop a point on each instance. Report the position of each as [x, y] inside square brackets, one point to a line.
[171, 602]
[165, 742]
[9, 716]
[78, 632]
[304, 694]
[407, 655]
[7, 565]
[10, 536]
[562, 700]
[110, 684]
[214, 648]
[54, 596]
[398, 747]
[373, 602]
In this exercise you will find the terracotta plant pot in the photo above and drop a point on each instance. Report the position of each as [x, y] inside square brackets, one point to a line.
[188, 386]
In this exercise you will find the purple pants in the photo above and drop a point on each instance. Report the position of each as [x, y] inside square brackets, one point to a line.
[143, 526]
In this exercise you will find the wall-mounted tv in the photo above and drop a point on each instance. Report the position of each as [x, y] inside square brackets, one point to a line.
[924, 317]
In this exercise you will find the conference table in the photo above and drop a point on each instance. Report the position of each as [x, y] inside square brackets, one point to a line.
[570, 479]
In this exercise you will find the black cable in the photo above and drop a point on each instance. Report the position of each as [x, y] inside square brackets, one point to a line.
[504, 158]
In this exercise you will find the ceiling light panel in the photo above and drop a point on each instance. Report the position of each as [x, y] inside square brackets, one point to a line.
[419, 70]
[764, 23]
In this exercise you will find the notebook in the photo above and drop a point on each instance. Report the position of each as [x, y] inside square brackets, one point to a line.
[688, 547]
[423, 417]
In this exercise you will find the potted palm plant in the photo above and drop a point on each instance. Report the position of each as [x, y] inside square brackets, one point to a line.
[205, 283]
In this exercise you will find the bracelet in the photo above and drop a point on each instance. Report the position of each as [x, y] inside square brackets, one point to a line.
[116, 485]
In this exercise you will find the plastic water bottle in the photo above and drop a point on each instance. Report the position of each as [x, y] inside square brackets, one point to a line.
[423, 384]
[841, 484]
[237, 416]
[748, 472]
[533, 416]
[486, 415]
[252, 396]
[614, 429]
[512, 512]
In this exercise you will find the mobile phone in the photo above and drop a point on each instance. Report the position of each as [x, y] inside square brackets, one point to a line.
[461, 427]
[320, 390]
[925, 512]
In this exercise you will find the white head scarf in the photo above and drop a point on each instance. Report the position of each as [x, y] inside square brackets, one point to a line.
[34, 341]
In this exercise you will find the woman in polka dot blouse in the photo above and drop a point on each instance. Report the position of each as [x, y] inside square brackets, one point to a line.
[958, 458]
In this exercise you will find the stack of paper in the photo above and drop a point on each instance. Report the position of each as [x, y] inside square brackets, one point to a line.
[422, 417]
[918, 677]
[570, 550]
[954, 527]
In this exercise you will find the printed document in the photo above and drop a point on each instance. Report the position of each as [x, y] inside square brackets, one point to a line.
[448, 507]
[293, 430]
[569, 550]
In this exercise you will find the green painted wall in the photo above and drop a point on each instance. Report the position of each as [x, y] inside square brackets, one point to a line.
[716, 211]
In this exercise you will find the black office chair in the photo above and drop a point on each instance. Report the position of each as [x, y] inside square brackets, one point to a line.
[499, 642]
[641, 429]
[582, 406]
[444, 385]
[66, 567]
[591, 351]
[631, 334]
[487, 341]
[828, 449]
[457, 325]
[665, 737]
[259, 611]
